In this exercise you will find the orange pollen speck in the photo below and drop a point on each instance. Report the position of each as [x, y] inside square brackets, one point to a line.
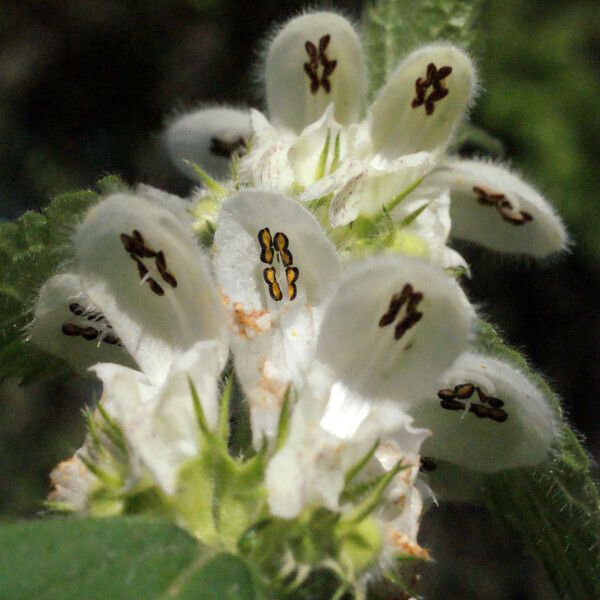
[403, 543]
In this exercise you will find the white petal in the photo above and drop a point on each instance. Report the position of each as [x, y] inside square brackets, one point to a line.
[266, 165]
[291, 100]
[311, 466]
[69, 325]
[72, 484]
[518, 433]
[305, 153]
[526, 225]
[207, 137]
[157, 316]
[399, 128]
[238, 265]
[159, 424]
[432, 226]
[273, 340]
[368, 188]
[364, 353]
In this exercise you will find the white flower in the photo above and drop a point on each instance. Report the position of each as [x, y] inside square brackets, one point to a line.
[150, 301]
[72, 484]
[276, 268]
[486, 415]
[319, 141]
[392, 328]
[209, 137]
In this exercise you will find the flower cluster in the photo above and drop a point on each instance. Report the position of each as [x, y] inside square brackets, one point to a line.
[319, 262]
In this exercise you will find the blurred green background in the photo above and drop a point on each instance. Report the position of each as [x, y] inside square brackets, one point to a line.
[85, 86]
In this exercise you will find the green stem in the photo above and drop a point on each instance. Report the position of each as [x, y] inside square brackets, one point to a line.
[556, 509]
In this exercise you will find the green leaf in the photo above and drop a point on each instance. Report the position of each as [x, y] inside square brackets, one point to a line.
[556, 506]
[126, 558]
[395, 27]
[32, 249]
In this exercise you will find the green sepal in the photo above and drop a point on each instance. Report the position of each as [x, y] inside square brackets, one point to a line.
[211, 184]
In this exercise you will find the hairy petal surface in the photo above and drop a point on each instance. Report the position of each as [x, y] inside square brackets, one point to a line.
[274, 323]
[394, 325]
[208, 137]
[144, 269]
[69, 325]
[492, 418]
[159, 423]
[314, 60]
[497, 209]
[405, 120]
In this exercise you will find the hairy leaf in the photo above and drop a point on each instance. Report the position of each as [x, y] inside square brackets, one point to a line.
[32, 249]
[126, 558]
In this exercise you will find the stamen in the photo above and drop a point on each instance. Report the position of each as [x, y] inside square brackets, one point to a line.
[485, 412]
[311, 67]
[161, 266]
[450, 404]
[226, 148]
[155, 287]
[266, 245]
[396, 303]
[446, 394]
[427, 464]
[281, 245]
[409, 321]
[271, 281]
[137, 249]
[412, 316]
[434, 78]
[503, 206]
[291, 274]
[112, 340]
[76, 309]
[464, 390]
[495, 402]
[72, 330]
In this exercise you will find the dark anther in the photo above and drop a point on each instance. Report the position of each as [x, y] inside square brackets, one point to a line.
[137, 249]
[155, 287]
[409, 320]
[161, 266]
[450, 404]
[71, 329]
[412, 299]
[446, 394]
[464, 390]
[487, 412]
[89, 333]
[427, 464]
[169, 279]
[503, 206]
[396, 303]
[111, 340]
[266, 245]
[495, 402]
[311, 67]
[141, 267]
[76, 309]
[226, 148]
[434, 78]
